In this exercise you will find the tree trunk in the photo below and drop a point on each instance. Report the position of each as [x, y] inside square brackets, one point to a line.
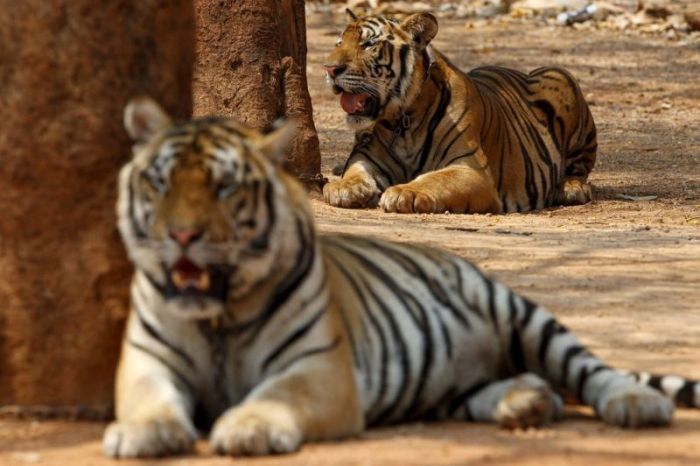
[251, 65]
[68, 69]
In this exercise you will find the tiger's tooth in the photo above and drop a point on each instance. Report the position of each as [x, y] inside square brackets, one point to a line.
[178, 280]
[204, 281]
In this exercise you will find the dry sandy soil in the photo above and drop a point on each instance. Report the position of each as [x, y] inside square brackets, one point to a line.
[625, 275]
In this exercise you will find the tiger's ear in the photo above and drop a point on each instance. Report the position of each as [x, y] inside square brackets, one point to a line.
[422, 27]
[143, 118]
[351, 15]
[275, 143]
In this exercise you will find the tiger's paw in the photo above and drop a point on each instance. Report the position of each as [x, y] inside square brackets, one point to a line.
[573, 191]
[627, 404]
[530, 402]
[351, 193]
[405, 200]
[147, 439]
[255, 429]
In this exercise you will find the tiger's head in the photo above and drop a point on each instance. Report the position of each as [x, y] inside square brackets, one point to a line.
[379, 64]
[201, 207]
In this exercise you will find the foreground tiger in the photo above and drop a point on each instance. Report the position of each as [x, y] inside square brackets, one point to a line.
[430, 138]
[243, 314]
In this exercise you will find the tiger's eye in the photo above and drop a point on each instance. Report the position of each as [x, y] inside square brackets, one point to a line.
[369, 43]
[225, 188]
[150, 187]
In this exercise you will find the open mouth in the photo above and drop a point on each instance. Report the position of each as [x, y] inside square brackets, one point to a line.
[186, 274]
[360, 104]
[187, 279]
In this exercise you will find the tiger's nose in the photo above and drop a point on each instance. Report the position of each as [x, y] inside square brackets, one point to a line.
[185, 236]
[335, 70]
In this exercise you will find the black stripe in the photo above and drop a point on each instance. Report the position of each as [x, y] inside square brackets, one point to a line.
[184, 382]
[655, 382]
[445, 98]
[491, 295]
[159, 288]
[359, 362]
[262, 241]
[583, 376]
[517, 356]
[311, 352]
[416, 270]
[549, 329]
[138, 231]
[303, 264]
[686, 395]
[530, 186]
[447, 339]
[403, 53]
[383, 355]
[404, 355]
[570, 353]
[530, 308]
[153, 333]
[463, 399]
[291, 339]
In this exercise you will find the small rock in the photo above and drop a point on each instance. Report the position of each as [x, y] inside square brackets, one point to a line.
[571, 17]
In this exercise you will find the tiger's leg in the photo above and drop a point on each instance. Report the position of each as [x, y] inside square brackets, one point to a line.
[154, 409]
[579, 136]
[519, 402]
[574, 189]
[315, 399]
[457, 188]
[538, 343]
[574, 132]
[359, 187]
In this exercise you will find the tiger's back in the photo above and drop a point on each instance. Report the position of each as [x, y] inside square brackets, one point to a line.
[536, 130]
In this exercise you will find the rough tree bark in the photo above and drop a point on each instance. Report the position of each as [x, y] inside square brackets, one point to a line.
[67, 68]
[251, 65]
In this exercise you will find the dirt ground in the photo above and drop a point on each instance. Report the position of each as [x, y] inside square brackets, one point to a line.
[625, 275]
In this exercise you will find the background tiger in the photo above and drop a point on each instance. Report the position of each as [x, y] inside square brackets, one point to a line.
[244, 317]
[430, 138]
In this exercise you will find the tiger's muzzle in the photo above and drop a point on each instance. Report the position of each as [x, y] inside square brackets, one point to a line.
[187, 280]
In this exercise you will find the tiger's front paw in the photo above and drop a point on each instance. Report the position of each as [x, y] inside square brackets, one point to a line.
[147, 439]
[351, 193]
[257, 428]
[529, 403]
[405, 200]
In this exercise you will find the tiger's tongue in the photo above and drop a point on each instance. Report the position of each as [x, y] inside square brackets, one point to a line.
[353, 103]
